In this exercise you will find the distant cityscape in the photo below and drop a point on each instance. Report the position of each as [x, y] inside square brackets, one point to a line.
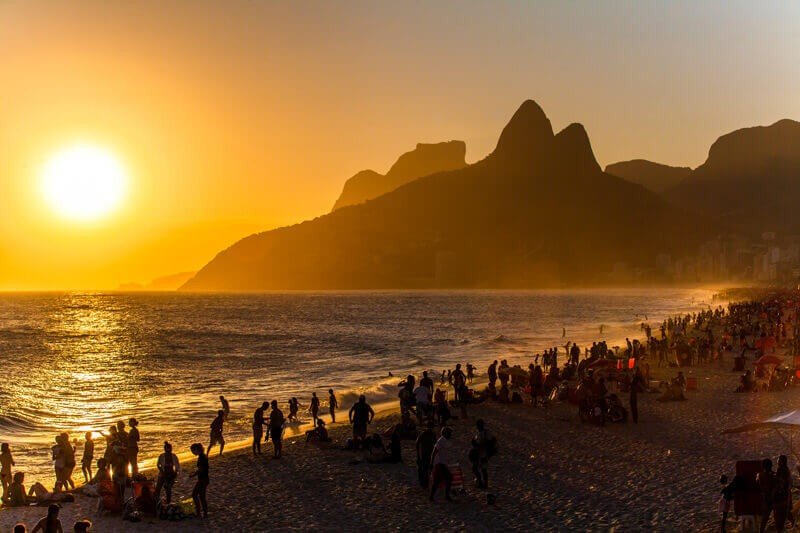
[770, 258]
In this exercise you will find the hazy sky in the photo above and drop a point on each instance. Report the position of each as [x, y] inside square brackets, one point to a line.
[238, 116]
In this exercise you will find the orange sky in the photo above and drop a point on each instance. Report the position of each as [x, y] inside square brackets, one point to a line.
[239, 116]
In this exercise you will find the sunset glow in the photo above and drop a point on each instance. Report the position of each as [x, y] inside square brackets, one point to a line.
[83, 182]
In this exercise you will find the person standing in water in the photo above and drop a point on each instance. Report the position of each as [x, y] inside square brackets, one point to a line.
[6, 462]
[168, 469]
[216, 432]
[470, 373]
[88, 457]
[258, 427]
[294, 406]
[333, 405]
[314, 408]
[200, 487]
[133, 446]
[276, 422]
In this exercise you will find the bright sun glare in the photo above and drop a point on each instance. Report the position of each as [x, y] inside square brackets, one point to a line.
[84, 182]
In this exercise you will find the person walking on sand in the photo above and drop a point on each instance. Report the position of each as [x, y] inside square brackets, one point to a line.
[782, 499]
[440, 459]
[333, 405]
[314, 408]
[426, 440]
[201, 485]
[226, 408]
[258, 427]
[88, 457]
[484, 446]
[294, 406]
[133, 446]
[766, 484]
[6, 462]
[360, 415]
[216, 432]
[168, 469]
[276, 422]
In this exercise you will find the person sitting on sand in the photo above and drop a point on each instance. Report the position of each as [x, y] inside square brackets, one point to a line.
[319, 434]
[216, 432]
[16, 495]
[82, 526]
[747, 382]
[50, 523]
[6, 462]
[440, 460]
[276, 422]
[200, 487]
[360, 415]
[168, 469]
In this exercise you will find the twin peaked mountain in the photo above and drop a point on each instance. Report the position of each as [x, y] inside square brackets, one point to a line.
[537, 212]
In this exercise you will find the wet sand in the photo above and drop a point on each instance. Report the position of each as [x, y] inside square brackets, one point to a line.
[552, 473]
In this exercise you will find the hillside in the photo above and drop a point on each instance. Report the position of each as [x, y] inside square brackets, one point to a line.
[654, 176]
[425, 159]
[750, 180]
[537, 212]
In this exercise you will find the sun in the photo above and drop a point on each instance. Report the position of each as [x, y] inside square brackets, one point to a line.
[84, 182]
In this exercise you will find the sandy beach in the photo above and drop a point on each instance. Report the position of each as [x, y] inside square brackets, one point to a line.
[552, 472]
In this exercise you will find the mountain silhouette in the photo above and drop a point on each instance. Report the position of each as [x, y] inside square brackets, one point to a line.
[423, 160]
[537, 212]
[655, 176]
[750, 180]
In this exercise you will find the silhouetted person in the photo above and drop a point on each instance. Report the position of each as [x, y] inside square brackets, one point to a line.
[276, 422]
[333, 404]
[426, 440]
[88, 457]
[484, 446]
[258, 427]
[314, 408]
[360, 415]
[782, 499]
[294, 406]
[426, 382]
[470, 372]
[226, 408]
[216, 432]
[168, 469]
[440, 459]
[459, 381]
[133, 446]
[50, 523]
[766, 485]
[6, 462]
[492, 373]
[199, 490]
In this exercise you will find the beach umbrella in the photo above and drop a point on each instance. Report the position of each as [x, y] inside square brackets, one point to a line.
[769, 360]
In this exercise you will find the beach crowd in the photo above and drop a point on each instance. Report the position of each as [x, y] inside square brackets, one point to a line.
[596, 379]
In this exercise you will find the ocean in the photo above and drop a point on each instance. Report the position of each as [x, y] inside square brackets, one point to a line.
[79, 362]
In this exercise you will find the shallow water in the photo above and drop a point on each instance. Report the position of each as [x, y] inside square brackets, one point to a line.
[80, 362]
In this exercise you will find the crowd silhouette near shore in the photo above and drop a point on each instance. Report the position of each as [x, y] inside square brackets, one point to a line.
[592, 378]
